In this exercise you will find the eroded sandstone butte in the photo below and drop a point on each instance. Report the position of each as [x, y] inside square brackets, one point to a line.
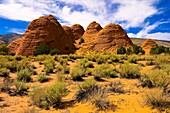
[148, 44]
[77, 31]
[69, 32]
[92, 29]
[111, 37]
[46, 30]
[13, 46]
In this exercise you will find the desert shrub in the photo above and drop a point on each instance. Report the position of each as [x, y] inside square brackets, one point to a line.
[20, 86]
[159, 59]
[60, 77]
[114, 58]
[149, 63]
[101, 59]
[24, 75]
[165, 67]
[89, 71]
[129, 51]
[4, 72]
[116, 87]
[40, 57]
[54, 52]
[157, 98]
[77, 72]
[88, 83]
[133, 59]
[42, 49]
[121, 50]
[104, 70]
[56, 92]
[159, 50]
[155, 78]
[81, 41]
[42, 77]
[49, 97]
[18, 58]
[97, 96]
[58, 68]
[137, 49]
[4, 50]
[66, 69]
[49, 66]
[129, 71]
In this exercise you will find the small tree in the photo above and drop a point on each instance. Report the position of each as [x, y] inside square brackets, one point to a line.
[54, 52]
[129, 51]
[42, 49]
[137, 49]
[121, 50]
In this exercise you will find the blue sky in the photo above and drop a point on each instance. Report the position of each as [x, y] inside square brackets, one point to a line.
[140, 18]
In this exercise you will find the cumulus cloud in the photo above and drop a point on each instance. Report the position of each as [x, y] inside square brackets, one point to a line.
[129, 14]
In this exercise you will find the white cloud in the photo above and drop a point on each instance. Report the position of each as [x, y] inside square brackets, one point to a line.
[132, 13]
[15, 30]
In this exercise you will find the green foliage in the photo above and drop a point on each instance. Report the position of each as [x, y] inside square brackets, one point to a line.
[42, 77]
[155, 78]
[88, 83]
[77, 72]
[159, 50]
[4, 50]
[49, 66]
[121, 50]
[20, 86]
[137, 49]
[24, 75]
[104, 70]
[42, 49]
[56, 92]
[4, 72]
[49, 97]
[129, 71]
[129, 51]
[54, 52]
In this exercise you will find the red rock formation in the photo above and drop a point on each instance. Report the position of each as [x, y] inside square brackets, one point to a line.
[47, 30]
[111, 37]
[77, 31]
[91, 31]
[148, 44]
[13, 46]
[69, 32]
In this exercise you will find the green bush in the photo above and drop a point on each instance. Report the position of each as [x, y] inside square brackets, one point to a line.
[42, 49]
[54, 52]
[129, 71]
[137, 49]
[56, 92]
[159, 50]
[77, 72]
[121, 50]
[4, 72]
[104, 70]
[20, 86]
[3, 49]
[24, 75]
[49, 97]
[42, 77]
[49, 66]
[88, 83]
[129, 51]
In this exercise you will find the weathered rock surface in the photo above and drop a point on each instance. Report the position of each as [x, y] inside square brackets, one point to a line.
[77, 31]
[111, 37]
[148, 44]
[14, 45]
[91, 32]
[47, 30]
[69, 32]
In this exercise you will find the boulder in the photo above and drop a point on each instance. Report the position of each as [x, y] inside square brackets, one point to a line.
[77, 31]
[110, 38]
[148, 44]
[45, 30]
[91, 32]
